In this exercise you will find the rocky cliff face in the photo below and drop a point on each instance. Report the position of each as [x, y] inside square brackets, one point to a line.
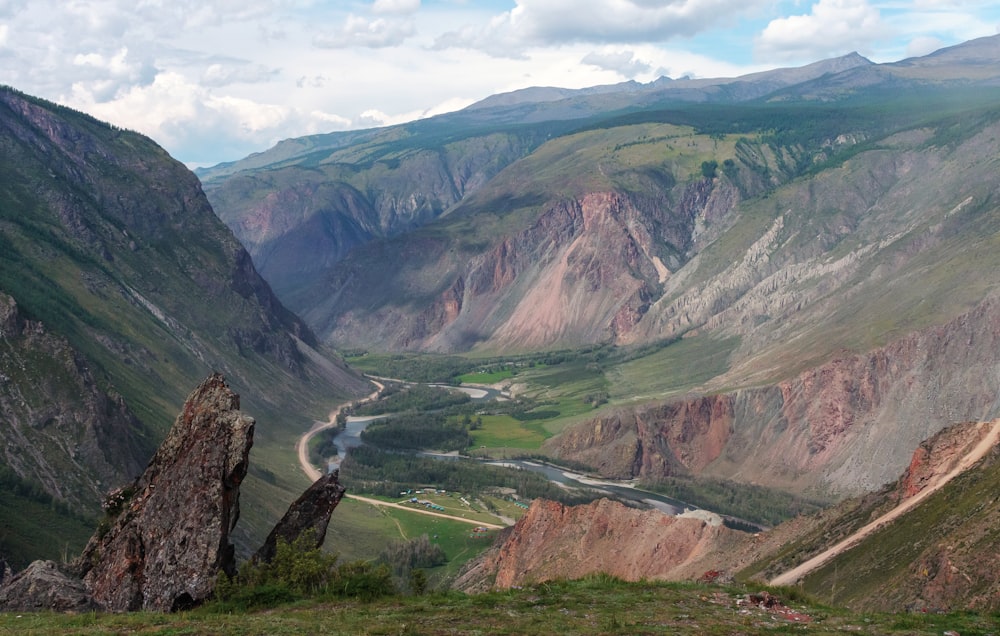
[170, 535]
[59, 427]
[846, 427]
[585, 270]
[554, 541]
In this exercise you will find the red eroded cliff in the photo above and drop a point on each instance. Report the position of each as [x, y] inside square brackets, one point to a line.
[555, 541]
[843, 428]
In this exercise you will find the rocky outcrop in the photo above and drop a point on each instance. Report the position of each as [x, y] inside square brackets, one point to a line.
[43, 586]
[553, 541]
[939, 455]
[309, 513]
[169, 537]
[166, 537]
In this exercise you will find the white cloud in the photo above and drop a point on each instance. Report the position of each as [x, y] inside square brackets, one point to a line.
[922, 46]
[197, 124]
[9, 8]
[363, 32]
[3, 34]
[217, 74]
[834, 27]
[396, 6]
[554, 22]
[104, 75]
[624, 63]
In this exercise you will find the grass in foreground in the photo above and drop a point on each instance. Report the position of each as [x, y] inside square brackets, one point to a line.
[596, 605]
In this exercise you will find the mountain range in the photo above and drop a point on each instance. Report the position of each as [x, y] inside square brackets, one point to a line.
[814, 251]
[789, 279]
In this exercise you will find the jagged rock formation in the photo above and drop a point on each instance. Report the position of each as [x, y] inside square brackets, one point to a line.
[845, 427]
[310, 512]
[167, 535]
[43, 586]
[170, 536]
[554, 541]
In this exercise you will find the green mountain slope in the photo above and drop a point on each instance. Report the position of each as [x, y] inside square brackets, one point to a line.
[121, 281]
[942, 554]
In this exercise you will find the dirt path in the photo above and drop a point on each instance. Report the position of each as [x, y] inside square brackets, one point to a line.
[989, 440]
[389, 504]
[313, 473]
[302, 446]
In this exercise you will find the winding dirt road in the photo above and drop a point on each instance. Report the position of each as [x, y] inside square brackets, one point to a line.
[990, 439]
[313, 473]
[302, 446]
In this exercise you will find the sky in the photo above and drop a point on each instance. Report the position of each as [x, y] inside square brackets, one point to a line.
[216, 80]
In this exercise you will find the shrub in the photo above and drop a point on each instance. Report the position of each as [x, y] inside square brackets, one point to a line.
[363, 580]
[300, 570]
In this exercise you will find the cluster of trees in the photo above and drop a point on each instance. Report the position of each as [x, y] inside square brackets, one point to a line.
[444, 369]
[415, 431]
[367, 469]
[13, 484]
[418, 397]
[323, 446]
[408, 561]
[755, 504]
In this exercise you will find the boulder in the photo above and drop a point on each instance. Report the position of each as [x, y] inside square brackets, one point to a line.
[311, 511]
[43, 586]
[168, 536]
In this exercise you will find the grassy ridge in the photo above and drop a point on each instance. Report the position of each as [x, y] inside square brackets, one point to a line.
[954, 528]
[596, 605]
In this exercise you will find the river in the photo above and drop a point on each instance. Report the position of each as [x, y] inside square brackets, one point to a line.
[350, 438]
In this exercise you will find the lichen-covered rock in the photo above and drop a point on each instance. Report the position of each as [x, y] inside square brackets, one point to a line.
[311, 511]
[43, 586]
[170, 538]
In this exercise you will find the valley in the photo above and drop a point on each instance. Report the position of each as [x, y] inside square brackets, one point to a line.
[529, 335]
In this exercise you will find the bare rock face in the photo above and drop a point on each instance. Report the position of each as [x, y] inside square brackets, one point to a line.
[170, 538]
[554, 541]
[61, 428]
[939, 455]
[311, 511]
[657, 440]
[43, 586]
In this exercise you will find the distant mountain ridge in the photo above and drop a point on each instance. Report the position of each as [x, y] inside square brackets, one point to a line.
[368, 194]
